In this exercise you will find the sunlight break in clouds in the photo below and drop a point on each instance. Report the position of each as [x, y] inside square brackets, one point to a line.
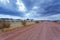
[21, 6]
[4, 1]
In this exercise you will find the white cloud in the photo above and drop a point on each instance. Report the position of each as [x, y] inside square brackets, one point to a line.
[54, 17]
[32, 13]
[9, 16]
[21, 6]
[27, 15]
[35, 7]
[4, 1]
[51, 17]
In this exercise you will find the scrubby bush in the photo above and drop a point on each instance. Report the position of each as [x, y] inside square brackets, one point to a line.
[1, 26]
[4, 25]
[27, 19]
[54, 21]
[37, 21]
[23, 23]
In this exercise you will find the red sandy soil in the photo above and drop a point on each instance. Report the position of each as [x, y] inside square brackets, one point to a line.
[39, 31]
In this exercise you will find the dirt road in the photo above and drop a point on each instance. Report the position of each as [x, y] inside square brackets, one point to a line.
[40, 31]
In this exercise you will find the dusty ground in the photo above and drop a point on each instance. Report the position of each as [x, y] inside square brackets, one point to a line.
[39, 31]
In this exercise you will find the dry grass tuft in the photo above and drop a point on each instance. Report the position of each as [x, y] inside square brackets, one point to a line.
[23, 23]
[36, 21]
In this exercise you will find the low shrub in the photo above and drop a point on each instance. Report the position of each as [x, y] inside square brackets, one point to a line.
[4, 25]
[37, 21]
[23, 23]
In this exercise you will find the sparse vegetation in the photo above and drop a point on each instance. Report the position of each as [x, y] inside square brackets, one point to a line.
[7, 25]
[58, 22]
[23, 23]
[4, 25]
[37, 21]
[54, 21]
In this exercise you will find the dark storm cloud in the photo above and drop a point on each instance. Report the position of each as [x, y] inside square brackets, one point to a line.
[52, 8]
[46, 7]
[9, 12]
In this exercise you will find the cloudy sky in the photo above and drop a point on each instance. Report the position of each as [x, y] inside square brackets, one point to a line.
[33, 9]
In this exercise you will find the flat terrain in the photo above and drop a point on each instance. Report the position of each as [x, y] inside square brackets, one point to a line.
[39, 31]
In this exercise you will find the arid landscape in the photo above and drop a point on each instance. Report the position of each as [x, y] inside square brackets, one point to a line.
[7, 24]
[30, 30]
[29, 19]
